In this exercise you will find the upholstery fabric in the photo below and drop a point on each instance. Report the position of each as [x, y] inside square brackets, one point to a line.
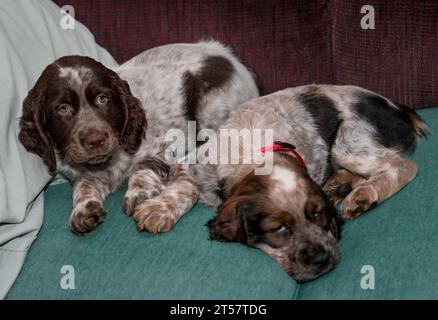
[117, 262]
[397, 58]
[288, 43]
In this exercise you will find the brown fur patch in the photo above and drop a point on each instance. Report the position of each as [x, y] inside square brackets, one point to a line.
[215, 72]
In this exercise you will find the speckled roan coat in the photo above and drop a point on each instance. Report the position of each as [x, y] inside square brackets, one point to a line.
[103, 128]
[355, 145]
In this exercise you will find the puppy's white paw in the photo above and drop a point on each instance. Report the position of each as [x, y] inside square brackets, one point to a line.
[156, 215]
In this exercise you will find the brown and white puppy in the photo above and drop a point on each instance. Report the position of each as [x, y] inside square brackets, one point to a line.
[355, 145]
[103, 128]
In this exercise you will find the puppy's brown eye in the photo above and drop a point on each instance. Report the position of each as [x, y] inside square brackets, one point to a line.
[101, 100]
[63, 108]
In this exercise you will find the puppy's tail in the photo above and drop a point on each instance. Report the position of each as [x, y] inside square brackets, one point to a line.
[420, 127]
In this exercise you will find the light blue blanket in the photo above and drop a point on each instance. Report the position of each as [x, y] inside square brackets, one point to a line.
[31, 37]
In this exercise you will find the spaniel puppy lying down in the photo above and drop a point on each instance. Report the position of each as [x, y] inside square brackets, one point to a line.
[102, 128]
[351, 144]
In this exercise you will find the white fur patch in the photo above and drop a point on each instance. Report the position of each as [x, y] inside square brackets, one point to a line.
[76, 76]
[69, 72]
[287, 179]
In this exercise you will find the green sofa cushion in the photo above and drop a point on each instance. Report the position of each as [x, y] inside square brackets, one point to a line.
[117, 262]
[398, 238]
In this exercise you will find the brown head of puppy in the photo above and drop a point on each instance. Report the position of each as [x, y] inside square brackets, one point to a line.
[81, 112]
[285, 214]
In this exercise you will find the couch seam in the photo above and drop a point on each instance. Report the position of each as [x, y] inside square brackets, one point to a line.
[296, 292]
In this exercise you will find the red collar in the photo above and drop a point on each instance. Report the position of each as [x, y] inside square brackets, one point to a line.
[284, 146]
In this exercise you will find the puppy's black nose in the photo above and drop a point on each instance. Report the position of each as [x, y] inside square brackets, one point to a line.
[93, 139]
[315, 255]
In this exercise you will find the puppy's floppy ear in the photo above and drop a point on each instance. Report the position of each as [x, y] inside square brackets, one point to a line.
[33, 134]
[230, 222]
[135, 120]
[335, 220]
[335, 226]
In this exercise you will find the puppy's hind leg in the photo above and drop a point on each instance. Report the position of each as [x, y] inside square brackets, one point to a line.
[386, 175]
[162, 212]
[340, 184]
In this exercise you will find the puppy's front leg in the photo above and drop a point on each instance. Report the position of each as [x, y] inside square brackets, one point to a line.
[161, 213]
[88, 210]
[146, 181]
